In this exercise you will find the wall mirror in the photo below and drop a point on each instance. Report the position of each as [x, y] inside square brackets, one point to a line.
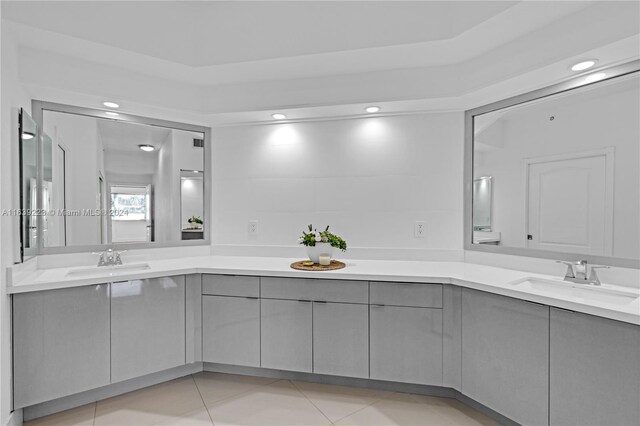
[117, 180]
[555, 173]
[28, 134]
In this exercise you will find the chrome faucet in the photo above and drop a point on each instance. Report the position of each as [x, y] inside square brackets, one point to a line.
[109, 257]
[581, 272]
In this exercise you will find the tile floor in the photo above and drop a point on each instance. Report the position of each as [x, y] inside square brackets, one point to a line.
[225, 399]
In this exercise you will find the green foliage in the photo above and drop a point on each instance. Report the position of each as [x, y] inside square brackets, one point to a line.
[195, 219]
[312, 237]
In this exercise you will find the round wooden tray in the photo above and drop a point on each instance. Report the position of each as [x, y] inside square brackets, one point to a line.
[317, 267]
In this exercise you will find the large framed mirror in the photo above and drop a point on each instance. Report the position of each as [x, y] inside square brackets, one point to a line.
[555, 173]
[117, 180]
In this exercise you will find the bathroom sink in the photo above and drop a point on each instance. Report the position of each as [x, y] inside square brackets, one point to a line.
[107, 270]
[610, 295]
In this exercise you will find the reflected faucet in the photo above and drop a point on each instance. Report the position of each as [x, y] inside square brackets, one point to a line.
[581, 272]
[109, 257]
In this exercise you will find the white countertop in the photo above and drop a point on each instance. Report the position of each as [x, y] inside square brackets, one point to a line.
[479, 277]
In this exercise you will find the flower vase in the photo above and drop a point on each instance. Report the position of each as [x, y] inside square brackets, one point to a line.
[314, 252]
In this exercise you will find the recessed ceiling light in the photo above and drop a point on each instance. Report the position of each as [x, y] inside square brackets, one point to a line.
[27, 135]
[111, 105]
[279, 116]
[147, 148]
[584, 65]
[594, 77]
[112, 114]
[372, 109]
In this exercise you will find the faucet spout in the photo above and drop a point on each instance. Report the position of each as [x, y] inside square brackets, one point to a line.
[109, 257]
[580, 272]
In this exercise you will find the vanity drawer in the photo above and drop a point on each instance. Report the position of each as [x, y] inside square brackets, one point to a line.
[231, 285]
[406, 294]
[347, 291]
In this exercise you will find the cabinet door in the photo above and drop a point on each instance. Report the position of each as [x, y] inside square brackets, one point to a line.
[286, 334]
[231, 330]
[147, 326]
[406, 344]
[505, 355]
[595, 370]
[341, 339]
[60, 342]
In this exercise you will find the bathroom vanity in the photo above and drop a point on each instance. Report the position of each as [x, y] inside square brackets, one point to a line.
[447, 328]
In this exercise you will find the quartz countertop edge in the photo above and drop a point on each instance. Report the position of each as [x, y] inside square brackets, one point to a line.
[474, 276]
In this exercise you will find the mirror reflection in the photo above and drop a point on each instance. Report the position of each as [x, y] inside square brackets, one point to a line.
[191, 202]
[564, 172]
[28, 132]
[109, 181]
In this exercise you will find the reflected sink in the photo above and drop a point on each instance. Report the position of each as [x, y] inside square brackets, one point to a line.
[107, 270]
[610, 295]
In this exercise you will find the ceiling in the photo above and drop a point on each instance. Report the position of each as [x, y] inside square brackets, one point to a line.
[239, 61]
[200, 34]
[125, 137]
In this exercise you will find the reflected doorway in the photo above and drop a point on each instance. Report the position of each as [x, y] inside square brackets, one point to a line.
[131, 214]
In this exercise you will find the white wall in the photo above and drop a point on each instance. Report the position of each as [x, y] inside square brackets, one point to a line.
[163, 215]
[85, 162]
[13, 98]
[587, 120]
[191, 199]
[177, 153]
[369, 178]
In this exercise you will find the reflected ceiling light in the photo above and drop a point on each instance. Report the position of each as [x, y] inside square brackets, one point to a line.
[372, 109]
[279, 116]
[584, 65]
[147, 148]
[27, 135]
[112, 114]
[594, 77]
[111, 105]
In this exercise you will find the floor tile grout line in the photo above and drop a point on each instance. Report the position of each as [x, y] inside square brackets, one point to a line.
[202, 399]
[375, 401]
[239, 393]
[311, 402]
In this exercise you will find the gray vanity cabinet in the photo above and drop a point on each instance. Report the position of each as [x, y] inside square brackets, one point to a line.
[231, 319]
[286, 335]
[60, 342]
[405, 325]
[341, 339]
[595, 370]
[505, 355]
[147, 326]
[231, 330]
[406, 344]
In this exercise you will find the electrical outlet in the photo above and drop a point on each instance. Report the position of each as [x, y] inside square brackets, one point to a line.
[419, 229]
[253, 227]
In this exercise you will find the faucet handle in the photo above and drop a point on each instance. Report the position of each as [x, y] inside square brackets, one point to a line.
[101, 261]
[592, 271]
[570, 268]
[117, 254]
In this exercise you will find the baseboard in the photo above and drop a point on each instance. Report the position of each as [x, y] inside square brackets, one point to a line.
[15, 418]
[108, 391]
[332, 380]
[77, 400]
[439, 391]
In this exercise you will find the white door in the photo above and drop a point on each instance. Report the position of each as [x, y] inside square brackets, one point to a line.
[568, 205]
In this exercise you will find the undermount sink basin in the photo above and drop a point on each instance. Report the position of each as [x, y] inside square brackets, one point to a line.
[579, 292]
[107, 270]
